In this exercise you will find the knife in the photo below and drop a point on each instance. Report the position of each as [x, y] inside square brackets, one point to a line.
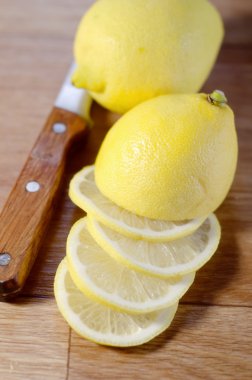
[27, 211]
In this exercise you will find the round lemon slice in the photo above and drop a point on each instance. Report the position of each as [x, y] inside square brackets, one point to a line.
[106, 280]
[173, 258]
[102, 324]
[85, 194]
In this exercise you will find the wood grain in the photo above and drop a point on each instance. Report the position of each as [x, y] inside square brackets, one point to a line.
[21, 233]
[211, 336]
[184, 351]
[237, 16]
[34, 340]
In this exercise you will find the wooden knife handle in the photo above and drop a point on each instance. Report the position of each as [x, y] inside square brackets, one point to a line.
[26, 213]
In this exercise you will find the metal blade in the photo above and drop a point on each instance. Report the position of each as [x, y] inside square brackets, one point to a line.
[74, 99]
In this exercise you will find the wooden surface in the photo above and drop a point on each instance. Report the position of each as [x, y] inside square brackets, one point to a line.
[21, 234]
[211, 336]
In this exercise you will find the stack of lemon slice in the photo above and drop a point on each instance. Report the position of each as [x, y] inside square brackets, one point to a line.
[123, 275]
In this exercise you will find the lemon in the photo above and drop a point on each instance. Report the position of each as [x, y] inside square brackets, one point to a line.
[172, 157]
[105, 280]
[174, 258]
[101, 324]
[85, 194]
[129, 51]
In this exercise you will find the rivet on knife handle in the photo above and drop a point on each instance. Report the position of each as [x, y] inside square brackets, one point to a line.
[26, 213]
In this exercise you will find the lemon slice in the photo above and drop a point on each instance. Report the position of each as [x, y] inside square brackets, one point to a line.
[102, 324]
[105, 280]
[85, 194]
[161, 259]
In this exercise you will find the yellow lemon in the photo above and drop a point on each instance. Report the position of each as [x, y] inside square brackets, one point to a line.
[85, 194]
[171, 158]
[129, 51]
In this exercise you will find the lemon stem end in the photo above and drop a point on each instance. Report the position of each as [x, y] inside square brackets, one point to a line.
[217, 98]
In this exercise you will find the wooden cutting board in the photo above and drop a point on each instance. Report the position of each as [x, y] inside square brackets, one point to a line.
[211, 336]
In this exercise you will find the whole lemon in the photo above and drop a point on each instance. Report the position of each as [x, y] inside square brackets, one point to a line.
[172, 157]
[129, 51]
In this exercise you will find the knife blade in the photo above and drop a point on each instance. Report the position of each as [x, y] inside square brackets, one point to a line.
[27, 211]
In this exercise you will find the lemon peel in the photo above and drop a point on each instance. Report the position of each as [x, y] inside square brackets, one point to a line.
[85, 194]
[121, 64]
[171, 158]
